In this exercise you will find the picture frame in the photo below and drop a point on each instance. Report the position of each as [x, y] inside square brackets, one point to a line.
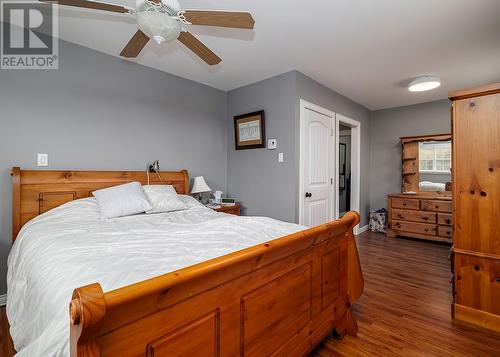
[250, 131]
[342, 158]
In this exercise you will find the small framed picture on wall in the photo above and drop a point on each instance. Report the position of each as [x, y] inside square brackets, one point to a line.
[250, 131]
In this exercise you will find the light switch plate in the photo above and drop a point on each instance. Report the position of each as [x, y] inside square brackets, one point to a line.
[43, 160]
[272, 144]
[281, 157]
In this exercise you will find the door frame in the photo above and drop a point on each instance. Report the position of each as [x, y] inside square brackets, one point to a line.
[355, 163]
[305, 105]
[355, 159]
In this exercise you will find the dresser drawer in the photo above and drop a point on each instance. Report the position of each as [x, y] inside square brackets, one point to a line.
[436, 206]
[445, 218]
[445, 231]
[415, 216]
[414, 227]
[405, 203]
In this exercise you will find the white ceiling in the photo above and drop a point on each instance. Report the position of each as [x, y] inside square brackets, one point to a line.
[366, 50]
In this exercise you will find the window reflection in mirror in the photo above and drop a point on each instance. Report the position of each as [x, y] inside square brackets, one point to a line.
[435, 166]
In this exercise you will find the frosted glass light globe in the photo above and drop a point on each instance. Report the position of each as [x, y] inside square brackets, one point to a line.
[158, 26]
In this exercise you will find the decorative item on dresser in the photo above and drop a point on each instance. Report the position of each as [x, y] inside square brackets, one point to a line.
[423, 209]
[476, 203]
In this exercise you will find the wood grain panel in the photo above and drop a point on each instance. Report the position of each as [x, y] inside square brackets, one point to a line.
[445, 231]
[414, 216]
[478, 283]
[330, 273]
[436, 206]
[445, 219]
[198, 338]
[405, 203]
[50, 200]
[415, 227]
[263, 312]
[477, 174]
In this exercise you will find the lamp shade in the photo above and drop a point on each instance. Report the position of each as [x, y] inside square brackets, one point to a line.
[200, 185]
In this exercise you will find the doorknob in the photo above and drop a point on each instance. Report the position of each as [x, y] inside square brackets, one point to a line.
[308, 194]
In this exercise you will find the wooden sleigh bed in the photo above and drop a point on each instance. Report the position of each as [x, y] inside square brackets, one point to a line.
[274, 299]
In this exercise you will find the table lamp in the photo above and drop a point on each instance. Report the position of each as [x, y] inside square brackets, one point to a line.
[199, 186]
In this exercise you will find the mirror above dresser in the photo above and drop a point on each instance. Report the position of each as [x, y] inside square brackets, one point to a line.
[423, 207]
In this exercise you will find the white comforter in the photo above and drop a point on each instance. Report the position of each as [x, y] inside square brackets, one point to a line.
[71, 246]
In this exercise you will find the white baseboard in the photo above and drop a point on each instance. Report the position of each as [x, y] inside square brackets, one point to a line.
[3, 300]
[362, 229]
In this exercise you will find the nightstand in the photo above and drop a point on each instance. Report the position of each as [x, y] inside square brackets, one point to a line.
[236, 210]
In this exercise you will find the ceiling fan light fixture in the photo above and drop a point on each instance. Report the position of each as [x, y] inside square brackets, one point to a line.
[159, 26]
[423, 84]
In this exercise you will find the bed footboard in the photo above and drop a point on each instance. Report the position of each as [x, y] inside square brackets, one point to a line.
[278, 298]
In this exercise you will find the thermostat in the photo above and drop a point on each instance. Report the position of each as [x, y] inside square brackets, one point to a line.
[272, 144]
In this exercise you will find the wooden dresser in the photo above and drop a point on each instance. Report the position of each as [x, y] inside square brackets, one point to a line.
[476, 203]
[420, 216]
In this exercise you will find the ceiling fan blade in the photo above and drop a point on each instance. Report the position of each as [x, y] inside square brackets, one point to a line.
[90, 5]
[199, 48]
[135, 45]
[242, 20]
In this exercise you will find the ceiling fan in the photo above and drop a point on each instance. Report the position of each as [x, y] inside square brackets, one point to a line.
[164, 20]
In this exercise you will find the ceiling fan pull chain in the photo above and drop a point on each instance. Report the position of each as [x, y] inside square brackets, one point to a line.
[181, 16]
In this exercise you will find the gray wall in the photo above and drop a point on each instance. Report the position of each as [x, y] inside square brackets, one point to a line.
[387, 126]
[316, 93]
[98, 112]
[264, 186]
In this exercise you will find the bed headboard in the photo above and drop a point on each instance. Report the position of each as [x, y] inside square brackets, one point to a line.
[37, 191]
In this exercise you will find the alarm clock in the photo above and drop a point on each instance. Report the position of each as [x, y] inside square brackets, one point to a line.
[228, 202]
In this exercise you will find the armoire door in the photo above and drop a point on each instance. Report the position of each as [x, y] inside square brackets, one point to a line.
[476, 160]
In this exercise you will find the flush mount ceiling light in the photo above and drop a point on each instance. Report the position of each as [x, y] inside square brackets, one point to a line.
[423, 84]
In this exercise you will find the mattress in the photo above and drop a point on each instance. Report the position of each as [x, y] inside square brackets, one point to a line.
[71, 246]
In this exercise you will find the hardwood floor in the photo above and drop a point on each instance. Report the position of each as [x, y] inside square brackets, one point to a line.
[405, 308]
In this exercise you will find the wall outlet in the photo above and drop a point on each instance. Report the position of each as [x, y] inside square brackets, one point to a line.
[43, 160]
[272, 144]
[281, 157]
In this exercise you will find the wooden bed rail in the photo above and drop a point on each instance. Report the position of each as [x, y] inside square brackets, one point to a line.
[283, 296]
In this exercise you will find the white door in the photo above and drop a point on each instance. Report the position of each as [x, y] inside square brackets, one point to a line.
[317, 165]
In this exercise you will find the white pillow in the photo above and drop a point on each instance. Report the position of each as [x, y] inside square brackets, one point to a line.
[163, 198]
[123, 200]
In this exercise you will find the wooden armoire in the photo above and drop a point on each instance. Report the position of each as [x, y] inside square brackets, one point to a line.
[476, 205]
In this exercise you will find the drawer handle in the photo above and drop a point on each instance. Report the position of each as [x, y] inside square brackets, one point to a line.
[427, 230]
[404, 204]
[477, 267]
[400, 216]
[398, 224]
[436, 206]
[425, 218]
[448, 221]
